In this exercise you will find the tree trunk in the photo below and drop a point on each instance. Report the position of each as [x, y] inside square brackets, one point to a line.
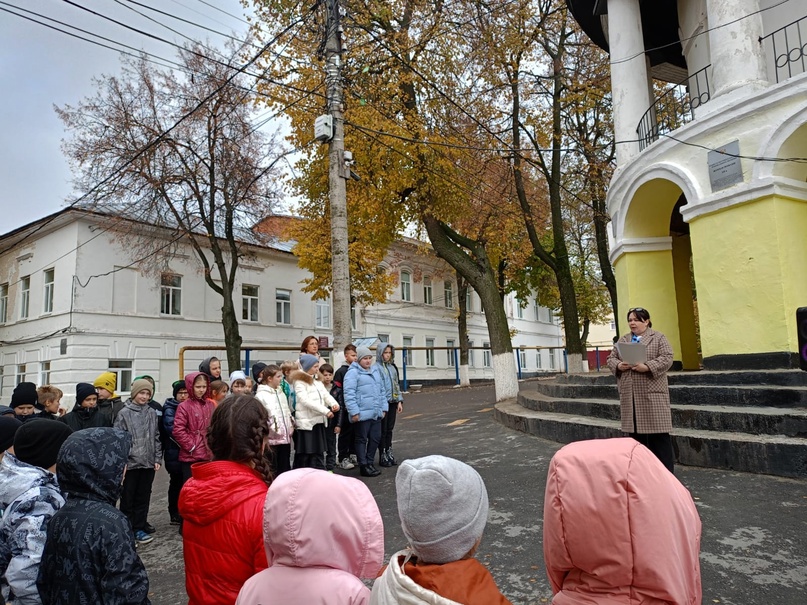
[232, 331]
[601, 235]
[462, 328]
[474, 265]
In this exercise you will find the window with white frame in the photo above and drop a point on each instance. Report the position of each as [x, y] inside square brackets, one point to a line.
[25, 296]
[469, 300]
[551, 359]
[383, 338]
[486, 355]
[44, 372]
[3, 303]
[170, 294]
[450, 352]
[353, 317]
[538, 363]
[427, 291]
[407, 345]
[2, 378]
[613, 325]
[47, 294]
[283, 306]
[522, 358]
[448, 294]
[536, 308]
[519, 309]
[470, 353]
[406, 286]
[323, 314]
[249, 302]
[430, 352]
[20, 377]
[122, 369]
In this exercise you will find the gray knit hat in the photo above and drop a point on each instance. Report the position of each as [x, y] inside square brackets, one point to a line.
[443, 505]
[308, 361]
[362, 352]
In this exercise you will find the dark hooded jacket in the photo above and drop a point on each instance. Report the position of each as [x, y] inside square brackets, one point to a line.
[90, 554]
[85, 418]
[108, 409]
[170, 447]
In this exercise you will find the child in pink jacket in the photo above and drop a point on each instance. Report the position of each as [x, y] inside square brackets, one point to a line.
[619, 528]
[323, 532]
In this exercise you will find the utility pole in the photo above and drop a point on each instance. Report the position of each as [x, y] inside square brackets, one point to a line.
[337, 174]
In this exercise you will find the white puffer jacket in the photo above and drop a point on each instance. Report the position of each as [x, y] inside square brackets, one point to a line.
[313, 400]
[280, 419]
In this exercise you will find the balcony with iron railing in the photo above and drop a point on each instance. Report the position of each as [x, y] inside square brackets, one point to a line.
[674, 108]
[787, 47]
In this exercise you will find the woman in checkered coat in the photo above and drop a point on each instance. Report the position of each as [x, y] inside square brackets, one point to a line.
[644, 396]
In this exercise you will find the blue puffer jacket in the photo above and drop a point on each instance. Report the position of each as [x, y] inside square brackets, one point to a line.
[364, 392]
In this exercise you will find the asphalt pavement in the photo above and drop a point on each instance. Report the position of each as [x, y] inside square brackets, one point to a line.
[754, 543]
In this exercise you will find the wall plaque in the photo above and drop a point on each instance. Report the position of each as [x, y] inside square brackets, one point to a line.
[725, 168]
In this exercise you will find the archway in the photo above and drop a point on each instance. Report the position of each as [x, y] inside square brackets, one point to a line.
[654, 269]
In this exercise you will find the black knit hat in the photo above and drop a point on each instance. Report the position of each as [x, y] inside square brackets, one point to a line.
[84, 390]
[37, 441]
[257, 369]
[8, 428]
[179, 384]
[24, 394]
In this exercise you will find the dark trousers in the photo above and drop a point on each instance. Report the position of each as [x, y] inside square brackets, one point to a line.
[661, 445]
[175, 483]
[330, 445]
[309, 461]
[279, 458]
[136, 496]
[387, 424]
[368, 436]
[346, 442]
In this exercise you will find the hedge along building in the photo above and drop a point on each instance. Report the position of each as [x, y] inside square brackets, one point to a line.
[732, 224]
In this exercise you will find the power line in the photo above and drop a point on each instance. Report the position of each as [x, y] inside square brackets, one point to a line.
[161, 136]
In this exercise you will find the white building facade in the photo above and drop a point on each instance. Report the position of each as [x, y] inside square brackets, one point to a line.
[73, 304]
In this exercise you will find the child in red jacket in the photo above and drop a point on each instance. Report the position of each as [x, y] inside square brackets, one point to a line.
[222, 504]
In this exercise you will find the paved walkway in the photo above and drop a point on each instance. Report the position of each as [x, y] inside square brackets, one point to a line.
[754, 545]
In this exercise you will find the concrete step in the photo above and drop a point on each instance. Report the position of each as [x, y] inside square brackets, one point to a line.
[768, 454]
[726, 395]
[782, 378]
[754, 420]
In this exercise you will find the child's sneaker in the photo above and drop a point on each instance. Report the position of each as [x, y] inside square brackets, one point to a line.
[346, 464]
[142, 537]
[353, 459]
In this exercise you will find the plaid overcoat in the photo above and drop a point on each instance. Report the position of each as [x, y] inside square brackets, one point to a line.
[648, 391]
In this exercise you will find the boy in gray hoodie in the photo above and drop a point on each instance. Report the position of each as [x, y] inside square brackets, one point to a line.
[139, 419]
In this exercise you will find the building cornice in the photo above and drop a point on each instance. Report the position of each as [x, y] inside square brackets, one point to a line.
[645, 244]
[745, 193]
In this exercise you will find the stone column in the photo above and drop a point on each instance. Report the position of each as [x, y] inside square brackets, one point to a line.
[736, 54]
[629, 79]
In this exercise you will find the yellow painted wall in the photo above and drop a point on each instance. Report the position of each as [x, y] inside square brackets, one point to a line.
[681, 254]
[645, 279]
[751, 274]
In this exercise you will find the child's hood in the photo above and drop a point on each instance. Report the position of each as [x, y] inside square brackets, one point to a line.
[379, 352]
[18, 477]
[296, 375]
[217, 488]
[91, 463]
[648, 530]
[317, 519]
[190, 379]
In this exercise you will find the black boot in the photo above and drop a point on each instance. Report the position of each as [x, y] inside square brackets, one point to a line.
[391, 458]
[368, 470]
[384, 458]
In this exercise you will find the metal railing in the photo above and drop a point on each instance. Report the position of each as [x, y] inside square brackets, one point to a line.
[789, 49]
[430, 371]
[674, 108]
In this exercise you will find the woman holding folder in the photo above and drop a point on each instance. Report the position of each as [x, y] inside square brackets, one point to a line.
[642, 382]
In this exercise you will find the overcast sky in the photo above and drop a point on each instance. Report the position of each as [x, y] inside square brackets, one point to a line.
[40, 68]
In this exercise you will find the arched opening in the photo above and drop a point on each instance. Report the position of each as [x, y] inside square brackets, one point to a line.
[656, 268]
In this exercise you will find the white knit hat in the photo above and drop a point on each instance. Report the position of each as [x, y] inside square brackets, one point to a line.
[443, 505]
